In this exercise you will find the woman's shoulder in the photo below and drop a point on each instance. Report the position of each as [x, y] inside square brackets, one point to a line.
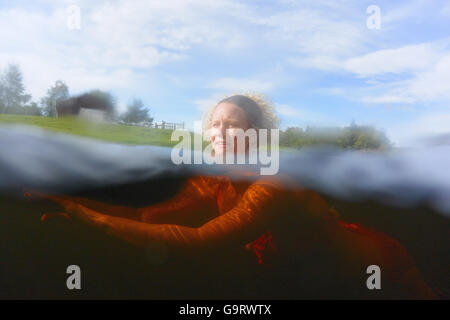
[204, 185]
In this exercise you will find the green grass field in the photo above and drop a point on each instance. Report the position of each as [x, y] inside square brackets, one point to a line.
[132, 135]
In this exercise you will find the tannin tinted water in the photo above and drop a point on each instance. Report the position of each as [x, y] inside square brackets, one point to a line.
[404, 194]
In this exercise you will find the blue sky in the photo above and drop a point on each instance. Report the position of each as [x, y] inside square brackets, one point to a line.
[317, 60]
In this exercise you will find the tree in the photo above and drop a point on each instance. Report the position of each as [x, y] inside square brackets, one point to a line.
[12, 90]
[372, 139]
[292, 137]
[351, 137]
[136, 112]
[32, 109]
[58, 92]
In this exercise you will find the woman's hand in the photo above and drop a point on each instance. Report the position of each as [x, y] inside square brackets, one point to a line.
[72, 209]
[78, 211]
[69, 206]
[65, 202]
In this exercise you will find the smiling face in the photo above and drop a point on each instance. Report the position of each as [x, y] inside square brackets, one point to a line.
[226, 119]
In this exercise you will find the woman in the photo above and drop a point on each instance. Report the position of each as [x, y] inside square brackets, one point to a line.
[291, 231]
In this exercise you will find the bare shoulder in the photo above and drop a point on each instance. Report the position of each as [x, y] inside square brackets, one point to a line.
[271, 188]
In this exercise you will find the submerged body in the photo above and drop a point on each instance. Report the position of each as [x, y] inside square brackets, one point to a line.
[296, 238]
[281, 240]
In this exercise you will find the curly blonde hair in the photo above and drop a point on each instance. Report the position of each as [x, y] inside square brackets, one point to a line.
[258, 108]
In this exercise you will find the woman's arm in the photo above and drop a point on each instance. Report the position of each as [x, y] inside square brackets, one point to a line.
[105, 208]
[242, 224]
[196, 197]
[73, 201]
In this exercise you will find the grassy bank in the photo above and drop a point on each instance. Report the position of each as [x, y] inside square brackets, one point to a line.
[118, 133]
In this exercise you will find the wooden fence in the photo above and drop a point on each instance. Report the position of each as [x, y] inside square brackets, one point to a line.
[169, 125]
[162, 125]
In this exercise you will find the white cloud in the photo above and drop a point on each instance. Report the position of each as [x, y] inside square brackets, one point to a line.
[407, 10]
[174, 25]
[326, 63]
[289, 111]
[387, 99]
[205, 104]
[425, 85]
[127, 35]
[301, 116]
[240, 84]
[408, 74]
[433, 84]
[115, 39]
[314, 30]
[39, 75]
[404, 59]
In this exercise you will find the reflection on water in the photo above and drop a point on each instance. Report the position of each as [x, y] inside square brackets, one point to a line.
[405, 194]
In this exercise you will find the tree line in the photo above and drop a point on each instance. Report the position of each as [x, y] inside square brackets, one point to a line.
[15, 100]
[350, 137]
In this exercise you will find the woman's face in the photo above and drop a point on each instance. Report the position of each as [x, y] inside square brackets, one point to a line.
[226, 119]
